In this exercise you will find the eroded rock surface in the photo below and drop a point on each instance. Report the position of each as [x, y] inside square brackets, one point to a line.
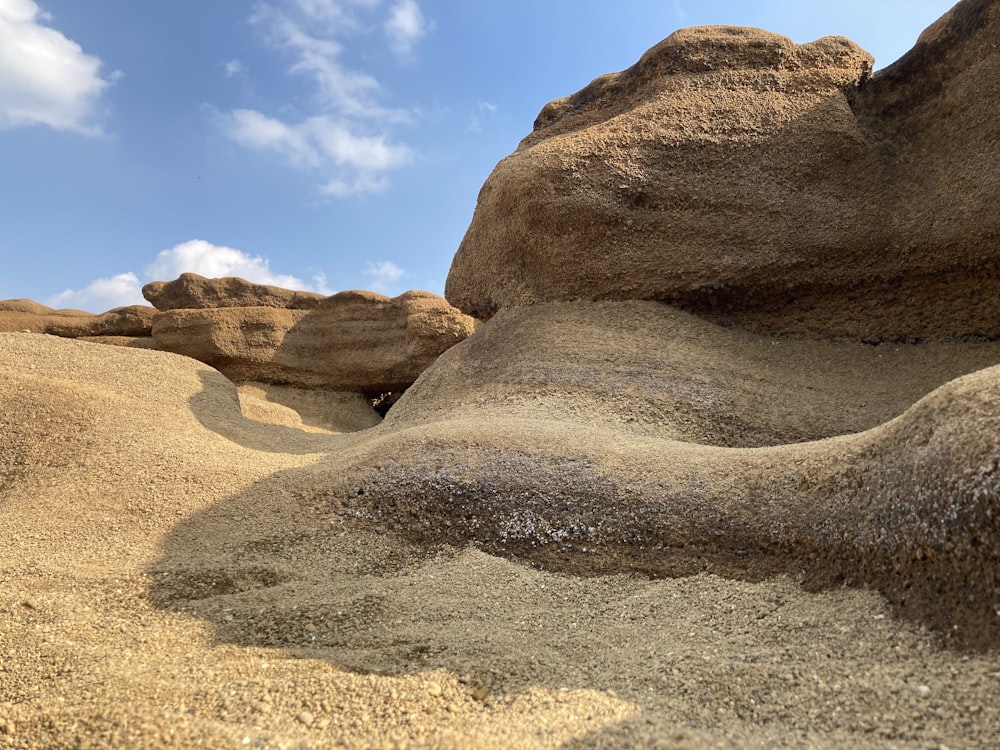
[353, 341]
[311, 410]
[762, 183]
[190, 290]
[645, 369]
[619, 435]
[134, 321]
[632, 471]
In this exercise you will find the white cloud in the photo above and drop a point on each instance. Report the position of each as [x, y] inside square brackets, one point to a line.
[385, 277]
[252, 129]
[475, 120]
[215, 261]
[347, 137]
[102, 294]
[234, 67]
[365, 153]
[679, 11]
[358, 185]
[357, 162]
[194, 256]
[45, 78]
[340, 11]
[319, 284]
[316, 54]
[405, 27]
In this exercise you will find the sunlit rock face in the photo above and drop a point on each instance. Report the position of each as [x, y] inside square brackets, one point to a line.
[352, 341]
[761, 183]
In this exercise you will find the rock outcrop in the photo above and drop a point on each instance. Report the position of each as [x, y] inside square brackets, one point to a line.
[766, 186]
[193, 291]
[134, 321]
[646, 370]
[353, 341]
[587, 426]
[762, 183]
[909, 507]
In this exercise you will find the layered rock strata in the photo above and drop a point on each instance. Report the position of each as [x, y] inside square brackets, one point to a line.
[134, 321]
[190, 290]
[764, 184]
[352, 341]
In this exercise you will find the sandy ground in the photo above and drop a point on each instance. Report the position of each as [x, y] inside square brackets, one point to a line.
[165, 581]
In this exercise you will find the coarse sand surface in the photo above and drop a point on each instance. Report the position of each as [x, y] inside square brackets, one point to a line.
[166, 582]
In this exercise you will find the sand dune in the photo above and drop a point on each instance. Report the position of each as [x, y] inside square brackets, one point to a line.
[173, 574]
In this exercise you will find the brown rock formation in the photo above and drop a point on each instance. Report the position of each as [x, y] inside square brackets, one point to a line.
[193, 291]
[354, 341]
[751, 477]
[26, 315]
[561, 433]
[738, 175]
[648, 370]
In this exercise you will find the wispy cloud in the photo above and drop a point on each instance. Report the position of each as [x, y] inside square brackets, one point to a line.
[405, 27]
[385, 277]
[359, 162]
[347, 137]
[233, 67]
[679, 11]
[46, 78]
[194, 256]
[343, 13]
[485, 109]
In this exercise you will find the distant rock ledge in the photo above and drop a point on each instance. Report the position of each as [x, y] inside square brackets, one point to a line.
[353, 346]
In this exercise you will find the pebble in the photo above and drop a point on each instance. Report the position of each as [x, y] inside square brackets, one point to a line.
[306, 718]
[924, 691]
[434, 689]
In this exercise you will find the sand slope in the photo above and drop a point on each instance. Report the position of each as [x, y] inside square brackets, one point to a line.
[173, 575]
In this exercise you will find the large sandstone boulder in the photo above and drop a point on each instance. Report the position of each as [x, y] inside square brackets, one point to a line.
[353, 341]
[134, 321]
[193, 291]
[590, 427]
[736, 174]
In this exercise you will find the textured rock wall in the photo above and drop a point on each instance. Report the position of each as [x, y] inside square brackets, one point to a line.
[762, 183]
[354, 341]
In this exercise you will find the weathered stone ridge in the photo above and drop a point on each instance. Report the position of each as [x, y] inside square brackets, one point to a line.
[761, 183]
[190, 290]
[27, 315]
[352, 341]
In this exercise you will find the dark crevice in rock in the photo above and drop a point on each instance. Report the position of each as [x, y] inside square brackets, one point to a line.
[383, 401]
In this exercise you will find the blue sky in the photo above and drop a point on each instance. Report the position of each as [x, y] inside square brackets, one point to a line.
[313, 144]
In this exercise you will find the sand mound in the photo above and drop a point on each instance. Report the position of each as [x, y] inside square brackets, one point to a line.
[176, 574]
